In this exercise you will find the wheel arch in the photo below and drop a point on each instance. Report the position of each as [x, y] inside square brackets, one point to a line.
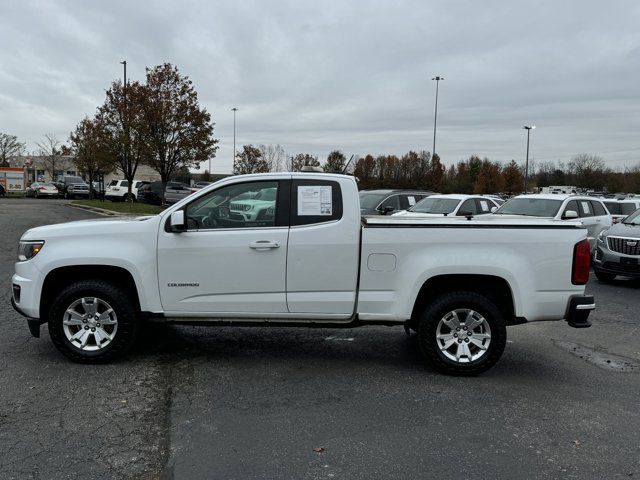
[495, 288]
[59, 278]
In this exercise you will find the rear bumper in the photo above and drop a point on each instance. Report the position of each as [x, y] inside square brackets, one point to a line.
[578, 311]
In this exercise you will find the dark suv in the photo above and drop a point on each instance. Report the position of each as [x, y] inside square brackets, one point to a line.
[386, 202]
[70, 186]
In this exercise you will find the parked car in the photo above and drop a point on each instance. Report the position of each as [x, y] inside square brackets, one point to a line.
[150, 193]
[618, 250]
[2, 191]
[176, 191]
[118, 190]
[620, 209]
[41, 189]
[71, 186]
[200, 185]
[384, 202]
[590, 212]
[315, 262]
[452, 204]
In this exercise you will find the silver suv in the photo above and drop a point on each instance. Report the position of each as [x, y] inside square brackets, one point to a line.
[618, 250]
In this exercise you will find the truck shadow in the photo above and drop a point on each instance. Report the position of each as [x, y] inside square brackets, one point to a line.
[356, 348]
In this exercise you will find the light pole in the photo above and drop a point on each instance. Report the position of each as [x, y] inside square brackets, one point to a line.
[234, 110]
[124, 123]
[435, 117]
[528, 128]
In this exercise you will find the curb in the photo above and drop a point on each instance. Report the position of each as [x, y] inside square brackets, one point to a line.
[100, 211]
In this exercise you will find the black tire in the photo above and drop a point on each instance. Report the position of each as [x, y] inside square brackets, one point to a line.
[36, 194]
[604, 277]
[118, 300]
[438, 309]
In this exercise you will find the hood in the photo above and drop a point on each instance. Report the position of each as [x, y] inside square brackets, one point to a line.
[624, 230]
[94, 227]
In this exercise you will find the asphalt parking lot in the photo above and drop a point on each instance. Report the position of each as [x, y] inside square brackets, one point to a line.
[244, 403]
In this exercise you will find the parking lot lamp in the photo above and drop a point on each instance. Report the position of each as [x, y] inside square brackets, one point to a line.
[234, 110]
[528, 128]
[435, 117]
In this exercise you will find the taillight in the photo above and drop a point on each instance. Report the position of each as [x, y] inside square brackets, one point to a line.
[581, 263]
[41, 188]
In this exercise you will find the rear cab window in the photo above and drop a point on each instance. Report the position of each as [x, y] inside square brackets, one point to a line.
[316, 201]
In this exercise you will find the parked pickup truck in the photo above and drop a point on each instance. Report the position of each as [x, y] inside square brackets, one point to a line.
[311, 260]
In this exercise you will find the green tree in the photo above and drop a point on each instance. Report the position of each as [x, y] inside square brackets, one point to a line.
[513, 178]
[250, 160]
[335, 162]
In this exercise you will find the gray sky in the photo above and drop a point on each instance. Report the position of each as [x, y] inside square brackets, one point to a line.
[318, 75]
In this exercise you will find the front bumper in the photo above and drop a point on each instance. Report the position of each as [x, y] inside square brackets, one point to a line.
[606, 261]
[33, 323]
[578, 311]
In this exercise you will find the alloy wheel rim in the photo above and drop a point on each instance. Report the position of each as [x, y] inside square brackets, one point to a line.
[463, 335]
[90, 324]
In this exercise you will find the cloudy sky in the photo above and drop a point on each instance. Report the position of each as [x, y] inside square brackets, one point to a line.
[319, 75]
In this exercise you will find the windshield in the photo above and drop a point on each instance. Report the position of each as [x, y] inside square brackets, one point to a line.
[435, 205]
[532, 207]
[633, 219]
[613, 207]
[74, 180]
[627, 208]
[371, 200]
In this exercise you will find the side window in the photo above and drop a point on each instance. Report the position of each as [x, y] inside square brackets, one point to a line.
[572, 205]
[315, 201]
[242, 205]
[598, 209]
[484, 205]
[585, 208]
[124, 184]
[411, 200]
[392, 201]
[468, 206]
[404, 202]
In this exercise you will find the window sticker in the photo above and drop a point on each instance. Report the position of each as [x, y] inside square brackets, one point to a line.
[484, 205]
[585, 207]
[412, 200]
[315, 200]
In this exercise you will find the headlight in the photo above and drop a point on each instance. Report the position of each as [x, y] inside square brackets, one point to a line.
[28, 249]
[602, 236]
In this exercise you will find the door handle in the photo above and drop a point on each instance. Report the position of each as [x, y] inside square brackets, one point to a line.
[264, 245]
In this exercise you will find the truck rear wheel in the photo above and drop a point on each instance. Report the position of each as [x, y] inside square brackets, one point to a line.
[93, 321]
[462, 333]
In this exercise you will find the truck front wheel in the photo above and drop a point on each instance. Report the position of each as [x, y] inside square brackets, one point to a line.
[462, 333]
[93, 321]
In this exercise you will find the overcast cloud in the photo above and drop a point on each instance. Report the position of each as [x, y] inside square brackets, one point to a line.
[318, 75]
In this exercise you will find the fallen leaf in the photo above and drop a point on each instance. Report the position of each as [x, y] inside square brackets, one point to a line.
[318, 449]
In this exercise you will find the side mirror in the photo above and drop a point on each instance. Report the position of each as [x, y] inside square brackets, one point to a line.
[464, 213]
[569, 214]
[494, 209]
[177, 221]
[386, 210]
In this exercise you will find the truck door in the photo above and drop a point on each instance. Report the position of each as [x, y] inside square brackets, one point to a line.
[324, 249]
[233, 256]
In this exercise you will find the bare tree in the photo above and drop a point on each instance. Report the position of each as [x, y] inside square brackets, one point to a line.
[274, 155]
[9, 147]
[50, 149]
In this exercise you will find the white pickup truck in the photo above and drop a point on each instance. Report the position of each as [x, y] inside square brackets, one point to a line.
[307, 260]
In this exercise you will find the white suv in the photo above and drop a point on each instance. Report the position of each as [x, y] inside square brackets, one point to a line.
[118, 190]
[591, 212]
